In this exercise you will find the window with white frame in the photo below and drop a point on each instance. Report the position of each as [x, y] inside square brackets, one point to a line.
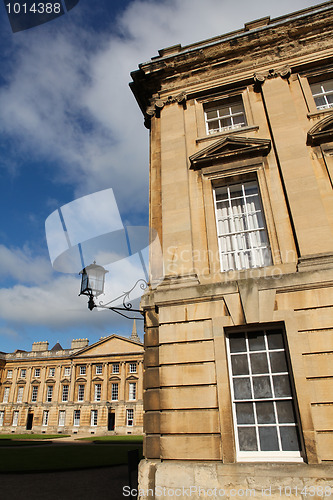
[61, 418]
[129, 417]
[19, 398]
[132, 368]
[65, 390]
[114, 392]
[2, 417]
[15, 418]
[224, 114]
[99, 369]
[115, 368]
[23, 372]
[34, 393]
[52, 372]
[241, 227]
[49, 393]
[262, 397]
[9, 373]
[45, 417]
[323, 94]
[82, 370]
[6, 394]
[97, 393]
[67, 371]
[80, 393]
[93, 418]
[37, 372]
[77, 415]
[132, 391]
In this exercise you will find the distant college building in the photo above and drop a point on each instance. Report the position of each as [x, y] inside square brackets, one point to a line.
[93, 389]
[239, 336]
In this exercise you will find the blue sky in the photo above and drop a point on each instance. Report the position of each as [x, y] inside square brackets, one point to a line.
[69, 127]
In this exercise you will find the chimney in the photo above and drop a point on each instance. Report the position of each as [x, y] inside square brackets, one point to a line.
[79, 343]
[134, 335]
[40, 346]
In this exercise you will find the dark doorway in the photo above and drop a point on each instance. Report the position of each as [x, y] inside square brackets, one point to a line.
[29, 421]
[111, 421]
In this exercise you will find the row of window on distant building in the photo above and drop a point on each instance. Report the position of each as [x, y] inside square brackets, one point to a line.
[62, 417]
[82, 370]
[132, 393]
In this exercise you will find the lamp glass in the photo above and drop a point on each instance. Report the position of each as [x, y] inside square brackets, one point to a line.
[93, 278]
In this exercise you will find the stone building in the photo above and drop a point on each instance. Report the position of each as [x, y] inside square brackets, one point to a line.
[93, 389]
[239, 336]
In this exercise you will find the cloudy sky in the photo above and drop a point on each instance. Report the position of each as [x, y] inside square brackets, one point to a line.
[70, 127]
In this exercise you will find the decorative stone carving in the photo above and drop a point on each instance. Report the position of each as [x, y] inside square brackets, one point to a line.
[157, 104]
[259, 78]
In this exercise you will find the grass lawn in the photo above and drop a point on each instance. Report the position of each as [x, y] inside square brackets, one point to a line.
[64, 457]
[114, 439]
[32, 436]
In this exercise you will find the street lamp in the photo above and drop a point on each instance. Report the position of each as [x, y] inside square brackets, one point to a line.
[92, 285]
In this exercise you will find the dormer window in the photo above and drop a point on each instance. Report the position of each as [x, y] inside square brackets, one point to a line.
[224, 114]
[323, 94]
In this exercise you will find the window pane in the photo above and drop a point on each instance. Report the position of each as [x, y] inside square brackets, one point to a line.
[247, 439]
[237, 343]
[268, 439]
[275, 339]
[262, 387]
[281, 386]
[265, 412]
[239, 364]
[289, 438]
[285, 411]
[278, 362]
[256, 342]
[242, 388]
[259, 362]
[244, 412]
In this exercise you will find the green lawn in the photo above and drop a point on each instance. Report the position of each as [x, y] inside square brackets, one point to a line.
[64, 457]
[32, 436]
[114, 439]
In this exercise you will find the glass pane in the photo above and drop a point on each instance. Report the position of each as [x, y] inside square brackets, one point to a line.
[265, 413]
[285, 411]
[316, 88]
[328, 85]
[247, 439]
[211, 114]
[244, 412]
[289, 438]
[281, 386]
[320, 102]
[259, 362]
[239, 364]
[256, 342]
[237, 343]
[268, 439]
[238, 120]
[226, 123]
[242, 388]
[275, 339]
[237, 108]
[214, 125]
[278, 362]
[262, 387]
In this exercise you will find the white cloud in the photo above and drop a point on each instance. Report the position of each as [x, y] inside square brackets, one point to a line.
[20, 265]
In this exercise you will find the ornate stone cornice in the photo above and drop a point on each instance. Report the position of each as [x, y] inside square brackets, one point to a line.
[260, 77]
[157, 104]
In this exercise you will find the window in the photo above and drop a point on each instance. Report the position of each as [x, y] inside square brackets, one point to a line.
[82, 370]
[115, 368]
[132, 367]
[49, 393]
[34, 393]
[241, 229]
[99, 369]
[263, 407]
[67, 371]
[23, 373]
[114, 392]
[323, 94]
[9, 373]
[52, 372]
[19, 398]
[98, 388]
[65, 389]
[2, 416]
[45, 417]
[93, 419]
[6, 395]
[15, 418]
[226, 114]
[129, 417]
[132, 391]
[77, 414]
[61, 419]
[80, 393]
[37, 372]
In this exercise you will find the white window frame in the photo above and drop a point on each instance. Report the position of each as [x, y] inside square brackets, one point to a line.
[76, 418]
[65, 393]
[20, 391]
[324, 92]
[61, 418]
[114, 391]
[34, 393]
[244, 247]
[67, 371]
[97, 392]
[225, 110]
[45, 418]
[23, 373]
[115, 368]
[82, 370]
[252, 456]
[80, 392]
[51, 372]
[99, 369]
[37, 372]
[132, 391]
[49, 393]
[2, 417]
[93, 418]
[133, 367]
[130, 417]
[9, 373]
[15, 418]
